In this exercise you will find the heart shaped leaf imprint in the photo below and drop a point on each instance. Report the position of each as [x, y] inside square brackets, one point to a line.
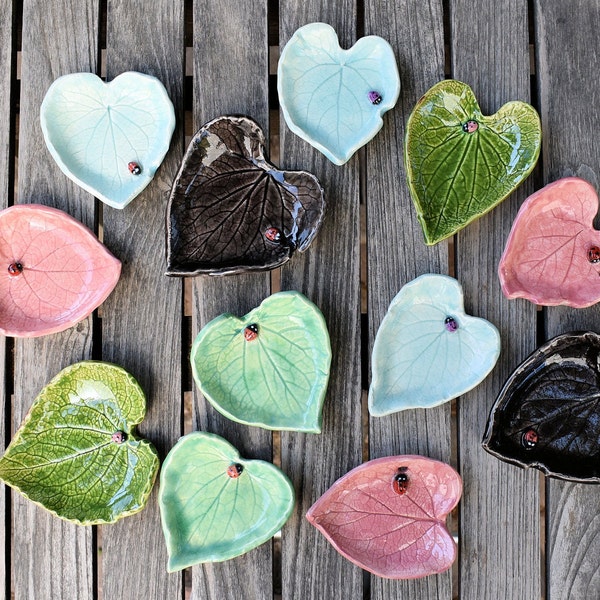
[333, 98]
[552, 255]
[215, 505]
[76, 454]
[270, 368]
[109, 138]
[427, 350]
[460, 163]
[548, 412]
[53, 271]
[388, 516]
[230, 210]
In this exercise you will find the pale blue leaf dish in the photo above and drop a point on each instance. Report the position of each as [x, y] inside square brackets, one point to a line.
[334, 98]
[428, 350]
[109, 138]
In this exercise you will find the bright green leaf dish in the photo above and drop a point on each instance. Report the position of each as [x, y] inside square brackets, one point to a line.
[269, 368]
[215, 505]
[461, 164]
[75, 453]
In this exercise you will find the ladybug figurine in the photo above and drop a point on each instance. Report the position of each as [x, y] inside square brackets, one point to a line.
[400, 481]
[251, 332]
[594, 254]
[273, 234]
[235, 470]
[530, 439]
[15, 268]
[134, 168]
[374, 97]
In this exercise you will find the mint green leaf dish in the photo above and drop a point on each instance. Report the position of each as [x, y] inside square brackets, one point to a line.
[76, 454]
[215, 505]
[427, 350]
[109, 138]
[460, 164]
[334, 98]
[270, 368]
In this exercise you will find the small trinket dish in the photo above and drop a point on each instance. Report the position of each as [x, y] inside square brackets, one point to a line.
[270, 368]
[547, 415]
[334, 98]
[215, 505]
[76, 454]
[460, 164]
[231, 210]
[53, 271]
[552, 255]
[109, 138]
[388, 516]
[427, 350]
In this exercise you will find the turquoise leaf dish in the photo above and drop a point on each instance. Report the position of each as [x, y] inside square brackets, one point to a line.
[109, 138]
[428, 350]
[334, 98]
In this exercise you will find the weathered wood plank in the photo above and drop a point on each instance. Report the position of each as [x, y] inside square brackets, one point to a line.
[396, 249]
[569, 97]
[50, 558]
[231, 77]
[141, 328]
[490, 51]
[329, 275]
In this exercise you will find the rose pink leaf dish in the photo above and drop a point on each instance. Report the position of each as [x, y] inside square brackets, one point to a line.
[552, 255]
[388, 516]
[53, 271]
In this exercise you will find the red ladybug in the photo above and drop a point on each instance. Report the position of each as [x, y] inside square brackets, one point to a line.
[15, 268]
[235, 470]
[400, 481]
[251, 332]
[273, 234]
[470, 126]
[118, 437]
[530, 439]
[594, 254]
[134, 168]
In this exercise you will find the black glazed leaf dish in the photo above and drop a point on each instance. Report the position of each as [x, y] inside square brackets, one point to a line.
[548, 412]
[230, 210]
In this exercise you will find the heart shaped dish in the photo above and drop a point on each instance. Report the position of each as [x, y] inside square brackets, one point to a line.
[109, 138]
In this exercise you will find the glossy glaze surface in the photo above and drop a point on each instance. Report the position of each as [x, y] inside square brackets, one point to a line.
[76, 454]
[334, 98]
[109, 138]
[53, 271]
[460, 163]
[552, 255]
[427, 349]
[269, 368]
[215, 505]
[388, 516]
[231, 210]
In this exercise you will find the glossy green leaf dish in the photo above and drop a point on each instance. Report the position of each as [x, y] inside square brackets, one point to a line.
[215, 505]
[460, 164]
[270, 368]
[76, 454]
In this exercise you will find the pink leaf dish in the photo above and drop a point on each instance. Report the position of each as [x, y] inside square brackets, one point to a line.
[552, 255]
[53, 271]
[388, 516]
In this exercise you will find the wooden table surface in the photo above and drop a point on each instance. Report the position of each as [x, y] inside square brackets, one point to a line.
[520, 536]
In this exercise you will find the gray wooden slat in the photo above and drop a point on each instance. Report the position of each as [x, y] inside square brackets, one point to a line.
[329, 275]
[231, 77]
[396, 249]
[141, 325]
[569, 96]
[50, 558]
[499, 514]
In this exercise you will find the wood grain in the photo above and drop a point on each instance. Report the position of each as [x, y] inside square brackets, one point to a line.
[569, 98]
[500, 506]
[50, 558]
[396, 249]
[142, 324]
[231, 77]
[329, 275]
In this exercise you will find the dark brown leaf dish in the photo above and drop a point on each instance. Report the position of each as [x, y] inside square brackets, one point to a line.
[548, 413]
[231, 210]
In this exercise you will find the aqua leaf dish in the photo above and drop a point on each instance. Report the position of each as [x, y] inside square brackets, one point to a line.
[270, 368]
[109, 138]
[53, 271]
[460, 164]
[76, 454]
[427, 350]
[334, 98]
[231, 210]
[552, 255]
[388, 516]
[215, 505]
